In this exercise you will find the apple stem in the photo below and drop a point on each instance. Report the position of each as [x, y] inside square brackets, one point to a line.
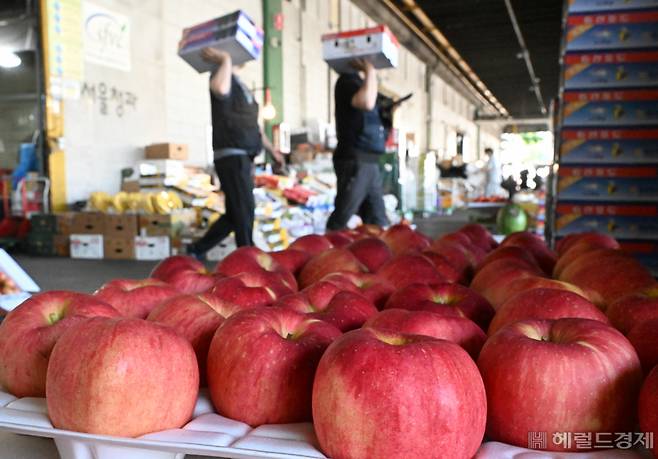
[54, 317]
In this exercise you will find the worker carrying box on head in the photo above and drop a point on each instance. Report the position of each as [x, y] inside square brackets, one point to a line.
[221, 46]
[235, 34]
[364, 119]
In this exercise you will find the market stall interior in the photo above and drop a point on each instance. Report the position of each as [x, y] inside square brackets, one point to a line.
[348, 229]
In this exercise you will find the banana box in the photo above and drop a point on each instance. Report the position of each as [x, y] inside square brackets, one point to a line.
[636, 108]
[621, 221]
[590, 6]
[612, 31]
[635, 184]
[609, 146]
[611, 70]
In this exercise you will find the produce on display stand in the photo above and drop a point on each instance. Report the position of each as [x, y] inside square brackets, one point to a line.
[551, 361]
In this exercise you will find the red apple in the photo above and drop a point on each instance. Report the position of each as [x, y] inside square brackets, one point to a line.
[444, 299]
[329, 261]
[509, 252]
[346, 310]
[493, 278]
[135, 298]
[195, 318]
[479, 236]
[588, 257]
[312, 244]
[544, 303]
[340, 238]
[565, 375]
[457, 238]
[124, 377]
[184, 273]
[402, 238]
[261, 365]
[291, 259]
[369, 230]
[372, 252]
[607, 275]
[592, 239]
[456, 255]
[545, 257]
[577, 249]
[474, 253]
[648, 408]
[324, 290]
[259, 269]
[170, 265]
[384, 395]
[502, 293]
[458, 330]
[644, 338]
[371, 286]
[409, 269]
[444, 267]
[29, 333]
[317, 296]
[634, 309]
[235, 290]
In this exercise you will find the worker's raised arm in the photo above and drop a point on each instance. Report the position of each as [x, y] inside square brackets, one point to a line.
[220, 82]
[366, 97]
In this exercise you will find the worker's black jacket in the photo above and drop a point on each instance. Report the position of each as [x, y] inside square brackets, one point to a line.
[356, 130]
[235, 119]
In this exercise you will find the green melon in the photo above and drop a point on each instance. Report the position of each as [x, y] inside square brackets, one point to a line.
[511, 218]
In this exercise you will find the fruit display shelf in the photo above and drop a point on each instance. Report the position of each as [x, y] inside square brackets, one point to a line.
[210, 434]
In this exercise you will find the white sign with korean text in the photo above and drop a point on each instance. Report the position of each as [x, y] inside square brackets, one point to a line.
[106, 37]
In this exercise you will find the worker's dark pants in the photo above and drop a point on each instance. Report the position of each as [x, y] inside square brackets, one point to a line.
[358, 191]
[237, 183]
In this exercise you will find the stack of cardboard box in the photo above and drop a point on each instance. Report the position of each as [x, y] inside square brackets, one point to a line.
[608, 175]
[95, 235]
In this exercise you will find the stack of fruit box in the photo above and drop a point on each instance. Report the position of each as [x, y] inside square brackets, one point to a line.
[61, 242]
[86, 238]
[161, 234]
[40, 240]
[608, 132]
[234, 33]
[119, 232]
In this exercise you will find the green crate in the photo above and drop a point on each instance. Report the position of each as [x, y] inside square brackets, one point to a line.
[40, 244]
[43, 223]
[39, 238]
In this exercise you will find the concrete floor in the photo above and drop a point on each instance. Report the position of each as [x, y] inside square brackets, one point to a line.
[80, 275]
[54, 273]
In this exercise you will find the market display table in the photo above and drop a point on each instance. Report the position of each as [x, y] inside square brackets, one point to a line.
[208, 434]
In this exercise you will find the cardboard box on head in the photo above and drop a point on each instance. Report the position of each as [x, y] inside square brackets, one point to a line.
[375, 44]
[234, 33]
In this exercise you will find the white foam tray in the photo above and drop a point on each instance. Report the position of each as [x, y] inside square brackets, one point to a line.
[210, 434]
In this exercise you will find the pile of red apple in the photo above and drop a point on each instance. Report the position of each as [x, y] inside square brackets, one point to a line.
[392, 344]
